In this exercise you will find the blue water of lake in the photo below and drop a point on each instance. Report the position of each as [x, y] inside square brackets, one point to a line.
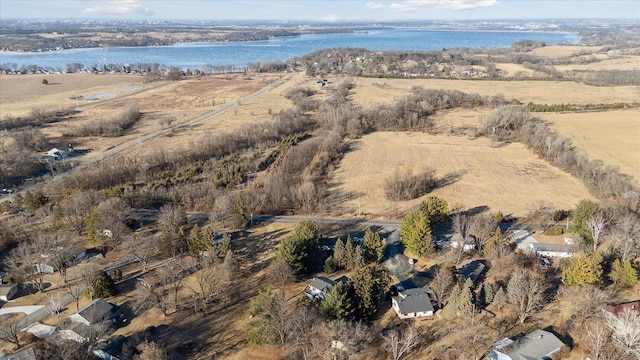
[197, 55]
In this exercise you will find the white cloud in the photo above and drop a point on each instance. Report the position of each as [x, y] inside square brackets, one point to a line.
[413, 5]
[374, 6]
[119, 7]
[332, 17]
[402, 7]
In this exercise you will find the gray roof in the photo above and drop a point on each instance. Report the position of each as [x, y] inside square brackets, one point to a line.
[535, 345]
[413, 301]
[26, 354]
[5, 289]
[96, 311]
[471, 269]
[322, 283]
[552, 247]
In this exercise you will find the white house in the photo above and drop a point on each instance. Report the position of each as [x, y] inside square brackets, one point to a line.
[56, 154]
[413, 303]
[7, 292]
[538, 345]
[319, 287]
[44, 268]
[522, 238]
[454, 241]
[552, 250]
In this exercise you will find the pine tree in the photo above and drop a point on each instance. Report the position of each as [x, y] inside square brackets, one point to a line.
[91, 224]
[194, 244]
[358, 258]
[487, 293]
[416, 234]
[500, 298]
[373, 246]
[225, 244]
[623, 274]
[583, 211]
[339, 254]
[349, 253]
[463, 304]
[452, 300]
[490, 248]
[367, 284]
[330, 265]
[337, 304]
[582, 269]
[436, 209]
[231, 265]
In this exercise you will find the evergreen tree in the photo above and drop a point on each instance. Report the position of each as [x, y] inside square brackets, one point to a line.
[367, 285]
[436, 209]
[231, 265]
[339, 254]
[416, 234]
[300, 249]
[490, 248]
[91, 224]
[349, 253]
[373, 246]
[582, 269]
[487, 293]
[337, 304]
[194, 244]
[225, 244]
[101, 285]
[462, 303]
[452, 300]
[500, 298]
[330, 265]
[581, 214]
[358, 258]
[623, 274]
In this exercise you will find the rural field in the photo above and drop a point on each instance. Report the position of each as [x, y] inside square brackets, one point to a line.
[506, 178]
[372, 92]
[610, 136]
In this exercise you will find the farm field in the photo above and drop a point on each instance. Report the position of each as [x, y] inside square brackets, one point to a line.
[372, 92]
[622, 63]
[507, 178]
[610, 136]
[556, 51]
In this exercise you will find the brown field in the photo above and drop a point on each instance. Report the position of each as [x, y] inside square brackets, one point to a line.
[622, 63]
[505, 178]
[372, 92]
[611, 136]
[555, 51]
[514, 70]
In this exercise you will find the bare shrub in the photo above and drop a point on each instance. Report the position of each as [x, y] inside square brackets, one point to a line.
[408, 186]
[113, 127]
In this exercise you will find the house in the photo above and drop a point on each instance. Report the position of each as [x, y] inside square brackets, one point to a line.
[413, 303]
[618, 309]
[471, 269]
[95, 312]
[319, 287]
[551, 250]
[522, 238]
[8, 292]
[43, 267]
[538, 345]
[454, 241]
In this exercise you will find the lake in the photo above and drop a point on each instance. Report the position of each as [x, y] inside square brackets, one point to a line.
[196, 55]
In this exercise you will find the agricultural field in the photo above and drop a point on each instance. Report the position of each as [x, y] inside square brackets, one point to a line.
[506, 178]
[372, 92]
[610, 136]
[557, 51]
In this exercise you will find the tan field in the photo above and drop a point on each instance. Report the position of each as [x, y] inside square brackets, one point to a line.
[622, 63]
[514, 70]
[372, 92]
[611, 136]
[505, 178]
[555, 51]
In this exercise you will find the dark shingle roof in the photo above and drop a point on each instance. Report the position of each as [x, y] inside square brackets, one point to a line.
[322, 283]
[413, 301]
[96, 311]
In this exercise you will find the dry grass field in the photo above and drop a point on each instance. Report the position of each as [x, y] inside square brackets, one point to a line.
[505, 178]
[611, 136]
[619, 63]
[372, 92]
[556, 51]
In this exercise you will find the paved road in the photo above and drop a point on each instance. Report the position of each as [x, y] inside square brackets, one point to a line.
[122, 147]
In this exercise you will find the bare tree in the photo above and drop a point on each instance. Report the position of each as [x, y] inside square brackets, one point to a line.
[75, 286]
[587, 302]
[483, 227]
[112, 214]
[400, 342]
[151, 351]
[596, 225]
[442, 284]
[173, 273]
[10, 332]
[597, 336]
[141, 249]
[153, 293]
[210, 286]
[626, 235]
[171, 219]
[461, 228]
[526, 293]
[625, 329]
[223, 209]
[75, 209]
[57, 249]
[89, 269]
[280, 273]
[24, 263]
[303, 330]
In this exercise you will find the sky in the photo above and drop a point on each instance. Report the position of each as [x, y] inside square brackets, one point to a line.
[318, 10]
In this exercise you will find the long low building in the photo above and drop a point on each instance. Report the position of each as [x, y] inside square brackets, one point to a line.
[552, 250]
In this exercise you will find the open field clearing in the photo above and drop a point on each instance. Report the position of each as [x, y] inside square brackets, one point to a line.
[19, 94]
[611, 136]
[623, 63]
[514, 70]
[555, 51]
[372, 92]
[506, 178]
